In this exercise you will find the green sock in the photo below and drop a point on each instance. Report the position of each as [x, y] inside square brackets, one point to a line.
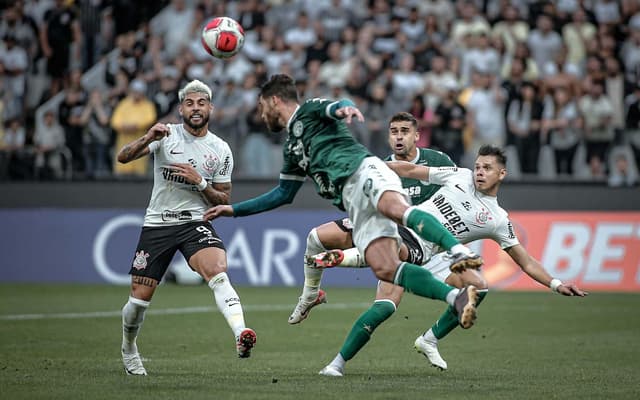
[419, 281]
[361, 332]
[449, 319]
[430, 229]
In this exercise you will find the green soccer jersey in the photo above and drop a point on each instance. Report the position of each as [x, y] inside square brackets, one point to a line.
[417, 190]
[321, 147]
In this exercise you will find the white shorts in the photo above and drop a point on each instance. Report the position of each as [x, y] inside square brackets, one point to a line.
[360, 197]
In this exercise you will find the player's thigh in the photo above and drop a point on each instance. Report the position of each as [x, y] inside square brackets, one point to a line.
[389, 291]
[203, 249]
[381, 255]
[336, 234]
[156, 247]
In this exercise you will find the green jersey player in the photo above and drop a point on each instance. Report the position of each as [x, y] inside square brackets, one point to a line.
[403, 135]
[320, 146]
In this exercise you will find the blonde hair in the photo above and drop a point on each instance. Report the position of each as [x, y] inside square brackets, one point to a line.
[195, 86]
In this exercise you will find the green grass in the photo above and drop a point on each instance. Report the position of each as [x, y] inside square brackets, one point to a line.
[525, 346]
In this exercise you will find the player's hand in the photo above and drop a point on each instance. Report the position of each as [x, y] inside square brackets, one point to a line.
[186, 171]
[348, 112]
[218, 211]
[571, 290]
[158, 131]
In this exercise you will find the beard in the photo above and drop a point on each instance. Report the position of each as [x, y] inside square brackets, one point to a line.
[273, 124]
[204, 121]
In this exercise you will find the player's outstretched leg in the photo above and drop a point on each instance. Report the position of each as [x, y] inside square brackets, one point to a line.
[228, 303]
[311, 293]
[132, 318]
[427, 344]
[430, 229]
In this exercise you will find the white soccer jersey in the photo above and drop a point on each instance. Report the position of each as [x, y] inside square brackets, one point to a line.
[172, 200]
[468, 214]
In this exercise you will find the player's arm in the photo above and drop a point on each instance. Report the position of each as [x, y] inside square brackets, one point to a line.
[534, 269]
[282, 194]
[140, 147]
[406, 169]
[344, 109]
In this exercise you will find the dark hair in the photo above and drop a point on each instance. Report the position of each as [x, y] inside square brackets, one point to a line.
[280, 85]
[497, 152]
[404, 116]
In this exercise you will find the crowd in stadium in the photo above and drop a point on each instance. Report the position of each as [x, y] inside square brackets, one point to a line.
[556, 82]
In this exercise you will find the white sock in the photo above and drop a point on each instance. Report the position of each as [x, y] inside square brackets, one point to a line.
[430, 337]
[338, 362]
[312, 276]
[460, 248]
[132, 317]
[451, 296]
[228, 302]
[352, 259]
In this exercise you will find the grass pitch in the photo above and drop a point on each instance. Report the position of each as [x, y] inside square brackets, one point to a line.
[62, 342]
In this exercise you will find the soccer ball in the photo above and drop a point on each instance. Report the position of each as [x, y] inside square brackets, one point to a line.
[223, 37]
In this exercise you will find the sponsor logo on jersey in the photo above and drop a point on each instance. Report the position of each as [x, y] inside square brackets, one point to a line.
[140, 261]
[174, 215]
[226, 164]
[512, 234]
[168, 175]
[466, 205]
[454, 223]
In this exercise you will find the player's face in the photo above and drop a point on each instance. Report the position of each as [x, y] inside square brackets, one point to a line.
[195, 110]
[270, 114]
[402, 139]
[487, 175]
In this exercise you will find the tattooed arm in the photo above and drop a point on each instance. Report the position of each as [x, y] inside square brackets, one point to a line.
[139, 147]
[218, 193]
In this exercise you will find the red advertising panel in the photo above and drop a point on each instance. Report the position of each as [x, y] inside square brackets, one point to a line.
[595, 250]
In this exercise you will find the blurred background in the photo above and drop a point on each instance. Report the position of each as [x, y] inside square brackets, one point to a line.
[555, 82]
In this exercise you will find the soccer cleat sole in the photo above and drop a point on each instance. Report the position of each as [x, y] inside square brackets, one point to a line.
[327, 259]
[469, 312]
[246, 342]
[472, 261]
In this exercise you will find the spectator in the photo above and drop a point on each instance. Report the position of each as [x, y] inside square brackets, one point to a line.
[49, 142]
[425, 118]
[97, 137]
[25, 30]
[442, 11]
[485, 113]
[69, 115]
[406, 82]
[531, 71]
[614, 87]
[334, 19]
[432, 43]
[632, 122]
[470, 21]
[336, 70]
[511, 29]
[544, 42]
[480, 56]
[597, 112]
[60, 30]
[524, 121]
[576, 34]
[437, 81]
[380, 107]
[630, 54]
[18, 160]
[15, 61]
[131, 117]
[560, 127]
[303, 33]
[449, 120]
[171, 24]
[623, 173]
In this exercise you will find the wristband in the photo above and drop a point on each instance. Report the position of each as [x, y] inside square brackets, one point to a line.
[202, 185]
[554, 284]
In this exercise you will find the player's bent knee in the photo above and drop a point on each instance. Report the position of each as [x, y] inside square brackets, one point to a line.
[389, 291]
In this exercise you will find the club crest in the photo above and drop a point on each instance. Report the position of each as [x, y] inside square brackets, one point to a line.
[210, 162]
[297, 129]
[140, 262]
